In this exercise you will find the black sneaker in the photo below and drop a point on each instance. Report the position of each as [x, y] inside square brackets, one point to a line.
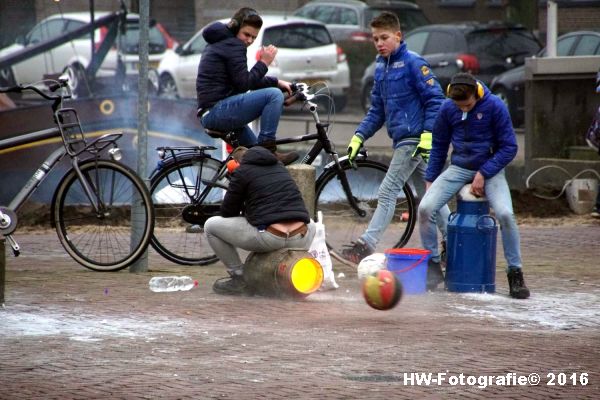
[435, 276]
[356, 251]
[232, 285]
[516, 283]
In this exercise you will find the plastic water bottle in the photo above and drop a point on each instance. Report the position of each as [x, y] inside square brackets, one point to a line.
[171, 283]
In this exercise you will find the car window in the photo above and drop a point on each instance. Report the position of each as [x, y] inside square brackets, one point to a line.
[563, 46]
[587, 46]
[440, 42]
[502, 43]
[297, 36]
[325, 14]
[347, 16]
[416, 42]
[197, 45]
[129, 42]
[45, 31]
[409, 19]
[72, 25]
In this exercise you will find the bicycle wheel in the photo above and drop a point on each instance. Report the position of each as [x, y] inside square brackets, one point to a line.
[179, 224]
[117, 235]
[344, 224]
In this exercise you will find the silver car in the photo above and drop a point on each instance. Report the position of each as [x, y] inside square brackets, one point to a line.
[74, 56]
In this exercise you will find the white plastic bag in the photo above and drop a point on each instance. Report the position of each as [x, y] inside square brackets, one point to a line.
[318, 249]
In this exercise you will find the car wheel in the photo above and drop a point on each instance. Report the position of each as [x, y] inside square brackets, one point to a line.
[6, 77]
[167, 87]
[77, 81]
[365, 97]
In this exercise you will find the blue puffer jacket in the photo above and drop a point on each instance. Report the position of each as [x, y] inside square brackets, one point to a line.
[223, 69]
[406, 97]
[484, 142]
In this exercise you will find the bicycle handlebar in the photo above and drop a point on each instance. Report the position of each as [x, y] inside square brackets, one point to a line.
[62, 82]
[300, 91]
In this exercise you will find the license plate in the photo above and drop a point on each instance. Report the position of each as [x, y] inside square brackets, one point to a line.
[314, 81]
[151, 65]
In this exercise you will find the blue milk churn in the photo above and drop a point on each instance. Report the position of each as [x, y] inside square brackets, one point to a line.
[471, 252]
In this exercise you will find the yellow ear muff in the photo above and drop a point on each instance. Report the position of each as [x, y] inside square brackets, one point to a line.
[479, 90]
[478, 94]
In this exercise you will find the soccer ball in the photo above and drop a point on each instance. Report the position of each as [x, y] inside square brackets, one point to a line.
[382, 290]
[370, 264]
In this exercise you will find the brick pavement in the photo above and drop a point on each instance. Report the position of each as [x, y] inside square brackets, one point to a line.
[70, 333]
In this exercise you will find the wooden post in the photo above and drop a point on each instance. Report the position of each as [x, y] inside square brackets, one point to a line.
[304, 176]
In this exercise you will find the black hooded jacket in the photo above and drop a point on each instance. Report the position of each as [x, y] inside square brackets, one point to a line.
[263, 188]
[223, 69]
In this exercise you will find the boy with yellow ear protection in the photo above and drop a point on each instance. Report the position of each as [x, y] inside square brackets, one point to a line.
[478, 126]
[406, 97]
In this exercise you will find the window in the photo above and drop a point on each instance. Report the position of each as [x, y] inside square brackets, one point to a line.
[300, 36]
[198, 45]
[46, 31]
[416, 42]
[129, 42]
[440, 42]
[563, 46]
[348, 16]
[325, 14]
[587, 46]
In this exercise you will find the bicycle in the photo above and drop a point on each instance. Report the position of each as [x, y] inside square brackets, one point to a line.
[188, 184]
[97, 203]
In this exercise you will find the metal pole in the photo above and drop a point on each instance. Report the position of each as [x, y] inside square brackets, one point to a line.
[551, 29]
[2, 270]
[142, 146]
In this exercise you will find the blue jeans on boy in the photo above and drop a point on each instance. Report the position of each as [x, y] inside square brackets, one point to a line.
[234, 113]
[402, 167]
[497, 193]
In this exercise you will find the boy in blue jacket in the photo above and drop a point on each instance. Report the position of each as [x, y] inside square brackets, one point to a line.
[478, 126]
[406, 97]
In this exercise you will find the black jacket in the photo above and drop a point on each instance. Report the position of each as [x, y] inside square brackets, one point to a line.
[223, 69]
[264, 188]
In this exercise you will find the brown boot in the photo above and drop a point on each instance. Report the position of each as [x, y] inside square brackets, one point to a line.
[285, 158]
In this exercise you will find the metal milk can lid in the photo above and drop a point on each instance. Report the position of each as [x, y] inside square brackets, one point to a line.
[465, 194]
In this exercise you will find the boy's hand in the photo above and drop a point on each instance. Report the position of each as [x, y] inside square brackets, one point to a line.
[424, 146]
[267, 54]
[353, 147]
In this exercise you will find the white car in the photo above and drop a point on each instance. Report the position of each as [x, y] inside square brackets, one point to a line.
[74, 56]
[306, 54]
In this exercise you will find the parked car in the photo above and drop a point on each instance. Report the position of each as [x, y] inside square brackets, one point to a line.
[74, 56]
[348, 21]
[510, 85]
[306, 53]
[484, 49]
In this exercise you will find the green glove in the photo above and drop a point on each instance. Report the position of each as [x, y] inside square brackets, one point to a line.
[424, 146]
[354, 146]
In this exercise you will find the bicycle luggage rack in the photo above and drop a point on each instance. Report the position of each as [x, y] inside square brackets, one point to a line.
[72, 133]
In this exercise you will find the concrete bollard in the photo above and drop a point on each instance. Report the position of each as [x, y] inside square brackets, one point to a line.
[283, 273]
[304, 176]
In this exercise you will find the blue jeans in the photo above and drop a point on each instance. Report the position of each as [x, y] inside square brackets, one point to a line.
[402, 167]
[236, 112]
[496, 191]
